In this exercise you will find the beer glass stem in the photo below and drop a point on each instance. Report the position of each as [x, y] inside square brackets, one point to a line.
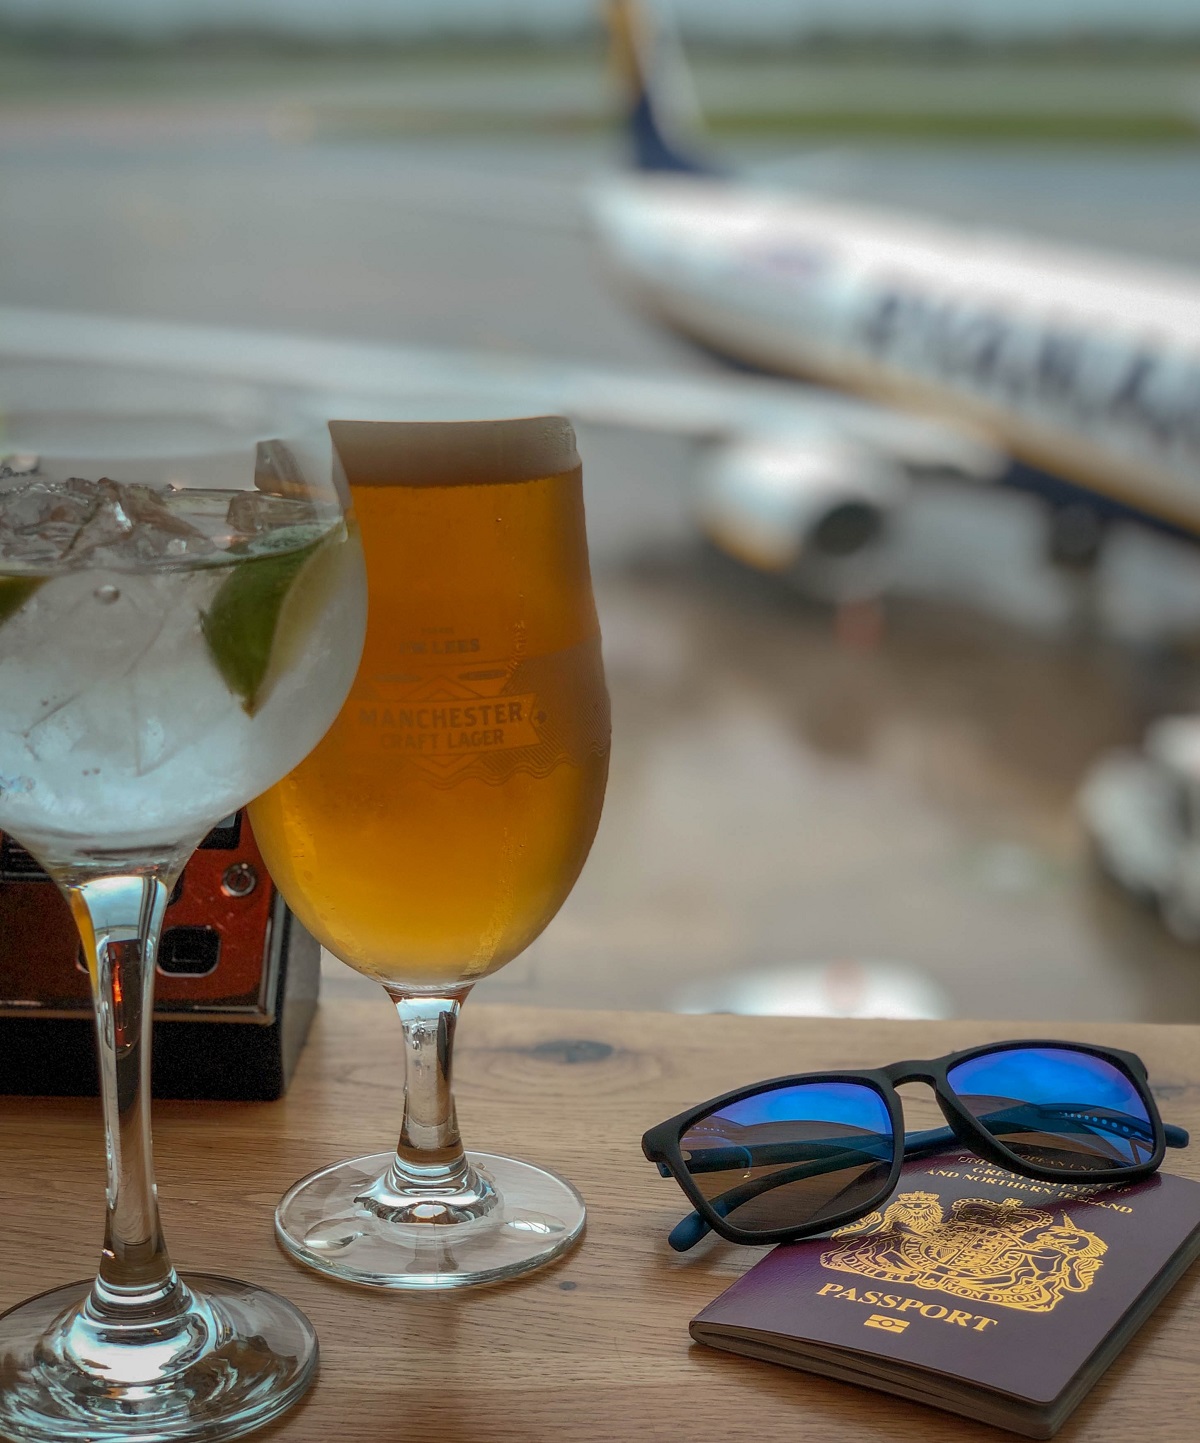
[430, 1179]
[136, 1289]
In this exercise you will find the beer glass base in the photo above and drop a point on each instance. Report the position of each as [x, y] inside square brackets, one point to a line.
[252, 1355]
[322, 1223]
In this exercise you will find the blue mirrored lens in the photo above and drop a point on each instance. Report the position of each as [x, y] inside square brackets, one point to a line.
[1057, 1108]
[794, 1155]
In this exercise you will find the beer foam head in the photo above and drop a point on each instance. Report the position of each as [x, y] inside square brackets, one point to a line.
[454, 453]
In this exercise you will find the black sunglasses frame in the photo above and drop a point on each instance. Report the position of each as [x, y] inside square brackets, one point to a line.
[662, 1145]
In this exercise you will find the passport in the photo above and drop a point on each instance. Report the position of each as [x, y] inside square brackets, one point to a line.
[971, 1289]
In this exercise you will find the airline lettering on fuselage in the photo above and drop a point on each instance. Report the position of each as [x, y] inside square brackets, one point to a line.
[1095, 381]
[785, 263]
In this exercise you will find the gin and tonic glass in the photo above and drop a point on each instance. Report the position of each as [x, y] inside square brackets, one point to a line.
[182, 607]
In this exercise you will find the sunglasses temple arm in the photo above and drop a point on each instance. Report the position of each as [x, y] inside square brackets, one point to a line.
[1084, 1120]
[923, 1144]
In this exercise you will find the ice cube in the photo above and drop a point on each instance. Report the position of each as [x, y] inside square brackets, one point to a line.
[39, 519]
[81, 522]
[108, 522]
[158, 530]
[278, 473]
[252, 513]
[39, 502]
[70, 645]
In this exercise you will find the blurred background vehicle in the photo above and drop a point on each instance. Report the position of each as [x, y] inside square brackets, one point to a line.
[1142, 811]
[792, 782]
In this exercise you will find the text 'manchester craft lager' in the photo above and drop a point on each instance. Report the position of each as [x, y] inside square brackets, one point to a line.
[444, 818]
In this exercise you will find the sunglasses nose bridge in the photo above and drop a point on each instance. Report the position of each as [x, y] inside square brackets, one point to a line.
[916, 1071]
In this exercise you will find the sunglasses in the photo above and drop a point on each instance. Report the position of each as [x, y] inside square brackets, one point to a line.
[796, 1156]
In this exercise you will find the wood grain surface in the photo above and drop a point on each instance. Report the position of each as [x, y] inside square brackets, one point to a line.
[596, 1346]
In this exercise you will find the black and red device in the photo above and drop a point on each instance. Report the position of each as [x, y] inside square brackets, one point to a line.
[235, 994]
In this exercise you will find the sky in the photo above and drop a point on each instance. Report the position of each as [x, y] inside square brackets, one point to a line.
[728, 18]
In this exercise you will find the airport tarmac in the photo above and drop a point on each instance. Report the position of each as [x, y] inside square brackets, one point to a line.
[866, 812]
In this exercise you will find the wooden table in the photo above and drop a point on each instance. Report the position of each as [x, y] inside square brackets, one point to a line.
[595, 1347]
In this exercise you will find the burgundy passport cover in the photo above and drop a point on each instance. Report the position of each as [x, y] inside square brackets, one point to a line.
[972, 1272]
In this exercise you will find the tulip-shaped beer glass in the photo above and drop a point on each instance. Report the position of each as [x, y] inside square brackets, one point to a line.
[177, 629]
[443, 820]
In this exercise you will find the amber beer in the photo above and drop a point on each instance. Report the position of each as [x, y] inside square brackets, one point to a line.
[446, 815]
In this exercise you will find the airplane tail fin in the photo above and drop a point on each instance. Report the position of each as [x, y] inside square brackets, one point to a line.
[661, 106]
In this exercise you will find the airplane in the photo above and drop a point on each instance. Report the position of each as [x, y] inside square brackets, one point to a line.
[98, 369]
[974, 357]
[1082, 370]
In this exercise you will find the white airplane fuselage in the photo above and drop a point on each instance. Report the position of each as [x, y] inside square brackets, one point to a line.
[1083, 368]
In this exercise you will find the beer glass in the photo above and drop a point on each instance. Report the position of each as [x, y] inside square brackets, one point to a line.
[177, 628]
[444, 818]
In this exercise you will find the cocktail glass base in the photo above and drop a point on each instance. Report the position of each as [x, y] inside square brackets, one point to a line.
[240, 1357]
[326, 1222]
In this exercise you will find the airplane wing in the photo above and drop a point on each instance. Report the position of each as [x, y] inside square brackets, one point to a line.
[788, 471]
[427, 382]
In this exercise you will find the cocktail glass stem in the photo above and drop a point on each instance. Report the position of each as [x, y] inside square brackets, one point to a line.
[430, 1179]
[142, 1353]
[136, 1292]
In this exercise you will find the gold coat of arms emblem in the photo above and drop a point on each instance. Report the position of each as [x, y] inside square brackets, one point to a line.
[986, 1251]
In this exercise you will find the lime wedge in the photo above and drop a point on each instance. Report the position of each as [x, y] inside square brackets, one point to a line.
[329, 582]
[15, 591]
[240, 625]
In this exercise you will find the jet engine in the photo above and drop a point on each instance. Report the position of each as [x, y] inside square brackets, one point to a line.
[814, 509]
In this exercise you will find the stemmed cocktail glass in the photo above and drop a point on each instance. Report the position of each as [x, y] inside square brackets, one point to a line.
[444, 818]
[181, 612]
